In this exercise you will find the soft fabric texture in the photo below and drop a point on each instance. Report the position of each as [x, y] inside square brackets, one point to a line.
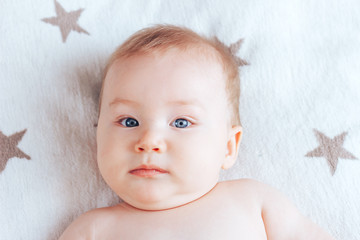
[300, 102]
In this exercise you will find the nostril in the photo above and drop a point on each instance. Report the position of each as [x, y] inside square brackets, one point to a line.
[145, 149]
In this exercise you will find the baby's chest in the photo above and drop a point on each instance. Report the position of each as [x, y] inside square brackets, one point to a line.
[212, 223]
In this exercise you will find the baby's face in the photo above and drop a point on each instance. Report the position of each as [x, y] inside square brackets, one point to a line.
[163, 129]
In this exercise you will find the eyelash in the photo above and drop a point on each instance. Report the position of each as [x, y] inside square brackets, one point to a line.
[121, 120]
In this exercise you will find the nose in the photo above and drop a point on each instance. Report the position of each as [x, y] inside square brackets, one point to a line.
[151, 141]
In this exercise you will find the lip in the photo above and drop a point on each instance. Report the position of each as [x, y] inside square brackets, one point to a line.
[147, 171]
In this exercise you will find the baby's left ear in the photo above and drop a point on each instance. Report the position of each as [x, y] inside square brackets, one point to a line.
[233, 143]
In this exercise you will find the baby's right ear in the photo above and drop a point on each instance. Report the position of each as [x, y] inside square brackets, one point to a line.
[233, 144]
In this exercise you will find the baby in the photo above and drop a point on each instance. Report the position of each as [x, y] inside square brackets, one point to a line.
[168, 122]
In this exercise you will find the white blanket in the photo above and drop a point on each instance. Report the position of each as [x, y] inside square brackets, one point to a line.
[300, 102]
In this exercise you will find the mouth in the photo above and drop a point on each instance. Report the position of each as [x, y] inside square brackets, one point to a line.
[147, 171]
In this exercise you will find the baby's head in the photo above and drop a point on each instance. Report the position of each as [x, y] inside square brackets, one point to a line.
[169, 117]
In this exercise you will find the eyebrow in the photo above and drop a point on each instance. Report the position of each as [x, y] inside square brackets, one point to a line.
[193, 102]
[122, 101]
[186, 103]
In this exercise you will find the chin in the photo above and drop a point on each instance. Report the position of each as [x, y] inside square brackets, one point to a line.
[146, 199]
[149, 197]
[158, 203]
[147, 205]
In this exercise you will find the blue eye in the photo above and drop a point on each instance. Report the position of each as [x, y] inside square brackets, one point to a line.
[129, 122]
[181, 123]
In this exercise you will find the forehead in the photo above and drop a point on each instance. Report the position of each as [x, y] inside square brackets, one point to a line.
[174, 72]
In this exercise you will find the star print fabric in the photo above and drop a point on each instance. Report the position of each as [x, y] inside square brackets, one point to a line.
[66, 21]
[9, 149]
[299, 105]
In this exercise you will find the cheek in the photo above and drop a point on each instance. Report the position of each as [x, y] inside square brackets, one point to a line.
[112, 148]
[198, 161]
[202, 149]
[114, 139]
[110, 157]
[105, 142]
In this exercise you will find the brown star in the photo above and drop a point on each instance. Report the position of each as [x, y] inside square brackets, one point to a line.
[330, 149]
[66, 21]
[233, 49]
[9, 149]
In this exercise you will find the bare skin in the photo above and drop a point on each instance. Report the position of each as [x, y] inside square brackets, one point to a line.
[239, 209]
[166, 172]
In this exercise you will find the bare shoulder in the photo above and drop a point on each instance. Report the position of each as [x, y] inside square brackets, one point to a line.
[256, 189]
[245, 184]
[246, 192]
[87, 225]
[252, 188]
[282, 219]
[264, 194]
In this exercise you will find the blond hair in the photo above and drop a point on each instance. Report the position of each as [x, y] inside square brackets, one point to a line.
[165, 37]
